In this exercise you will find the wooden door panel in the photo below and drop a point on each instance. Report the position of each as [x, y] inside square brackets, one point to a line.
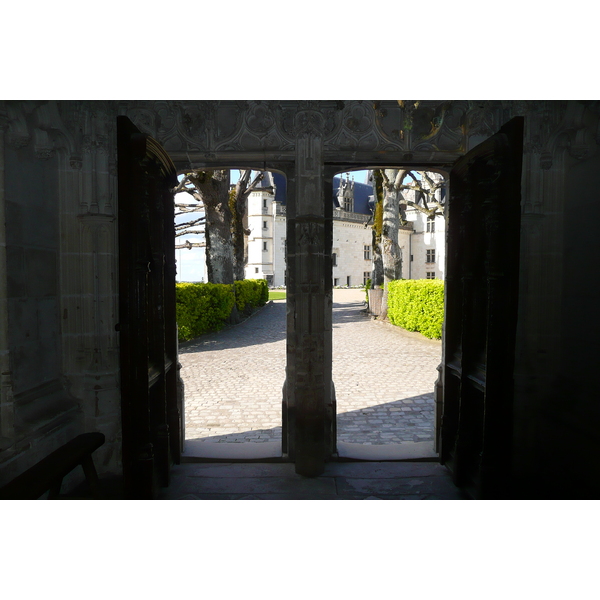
[481, 312]
[148, 333]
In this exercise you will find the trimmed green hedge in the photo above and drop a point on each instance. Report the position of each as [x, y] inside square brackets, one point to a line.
[417, 305]
[250, 293]
[204, 307]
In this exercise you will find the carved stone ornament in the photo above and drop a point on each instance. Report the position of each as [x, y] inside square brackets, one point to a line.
[76, 163]
[563, 126]
[309, 123]
[309, 234]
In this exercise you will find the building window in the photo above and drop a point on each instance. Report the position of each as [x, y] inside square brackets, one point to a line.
[348, 205]
[431, 224]
[334, 259]
[336, 281]
[264, 224]
[264, 203]
[348, 281]
[430, 274]
[256, 269]
[430, 256]
[265, 246]
[367, 252]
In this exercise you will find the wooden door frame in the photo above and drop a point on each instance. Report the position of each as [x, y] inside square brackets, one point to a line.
[149, 406]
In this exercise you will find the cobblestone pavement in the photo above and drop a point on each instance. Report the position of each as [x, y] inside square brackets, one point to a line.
[384, 378]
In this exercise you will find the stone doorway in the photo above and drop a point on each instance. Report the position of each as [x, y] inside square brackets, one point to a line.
[384, 375]
[310, 142]
[233, 377]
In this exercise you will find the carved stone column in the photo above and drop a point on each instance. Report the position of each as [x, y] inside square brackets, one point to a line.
[309, 303]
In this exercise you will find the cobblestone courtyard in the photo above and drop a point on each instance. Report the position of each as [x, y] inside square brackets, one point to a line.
[384, 378]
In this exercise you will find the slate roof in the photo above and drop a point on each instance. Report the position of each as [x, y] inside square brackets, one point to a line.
[267, 180]
[362, 191]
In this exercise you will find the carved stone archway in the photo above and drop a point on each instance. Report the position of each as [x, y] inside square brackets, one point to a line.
[309, 141]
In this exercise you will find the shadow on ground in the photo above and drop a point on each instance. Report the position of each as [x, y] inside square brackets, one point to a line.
[265, 326]
[404, 420]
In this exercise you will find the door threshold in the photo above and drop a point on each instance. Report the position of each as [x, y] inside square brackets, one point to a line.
[197, 451]
[406, 451]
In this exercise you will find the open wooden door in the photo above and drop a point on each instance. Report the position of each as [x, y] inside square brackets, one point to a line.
[484, 218]
[152, 416]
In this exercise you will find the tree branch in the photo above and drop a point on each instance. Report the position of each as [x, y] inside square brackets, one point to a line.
[189, 245]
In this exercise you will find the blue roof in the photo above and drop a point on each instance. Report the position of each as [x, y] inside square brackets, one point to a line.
[362, 191]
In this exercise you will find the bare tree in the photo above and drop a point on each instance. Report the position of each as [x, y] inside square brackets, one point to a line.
[211, 189]
[238, 203]
[378, 194]
[196, 224]
[393, 196]
[224, 223]
[390, 249]
[427, 197]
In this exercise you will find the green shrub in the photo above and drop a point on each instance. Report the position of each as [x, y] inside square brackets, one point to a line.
[367, 288]
[202, 307]
[251, 293]
[417, 305]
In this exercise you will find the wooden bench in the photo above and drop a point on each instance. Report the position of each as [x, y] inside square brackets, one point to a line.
[50, 471]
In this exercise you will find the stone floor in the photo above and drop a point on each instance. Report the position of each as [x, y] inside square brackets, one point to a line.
[340, 481]
[384, 378]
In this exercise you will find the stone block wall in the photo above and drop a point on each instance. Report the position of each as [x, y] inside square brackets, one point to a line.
[58, 307]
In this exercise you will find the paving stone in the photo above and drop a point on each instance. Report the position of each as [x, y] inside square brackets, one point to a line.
[233, 379]
[260, 485]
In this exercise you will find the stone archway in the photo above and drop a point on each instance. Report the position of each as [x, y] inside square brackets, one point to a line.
[309, 142]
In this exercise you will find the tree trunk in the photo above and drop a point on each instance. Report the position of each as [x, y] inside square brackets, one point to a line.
[391, 251]
[239, 202]
[213, 187]
[237, 236]
[377, 273]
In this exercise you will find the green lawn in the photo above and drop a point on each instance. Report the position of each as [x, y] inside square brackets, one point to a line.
[276, 295]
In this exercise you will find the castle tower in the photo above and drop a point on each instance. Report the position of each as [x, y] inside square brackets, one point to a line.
[260, 241]
[345, 194]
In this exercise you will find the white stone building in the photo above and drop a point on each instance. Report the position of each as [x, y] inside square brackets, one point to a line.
[422, 240]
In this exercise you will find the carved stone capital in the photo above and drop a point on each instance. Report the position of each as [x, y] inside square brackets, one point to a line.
[75, 162]
[309, 123]
[546, 160]
[17, 139]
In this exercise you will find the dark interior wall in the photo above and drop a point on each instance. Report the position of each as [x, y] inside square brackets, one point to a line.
[557, 406]
[32, 255]
[39, 415]
[574, 407]
[580, 326]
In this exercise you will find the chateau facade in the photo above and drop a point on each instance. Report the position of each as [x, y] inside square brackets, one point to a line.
[421, 239]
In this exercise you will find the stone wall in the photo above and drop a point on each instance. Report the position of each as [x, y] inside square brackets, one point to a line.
[349, 241]
[59, 351]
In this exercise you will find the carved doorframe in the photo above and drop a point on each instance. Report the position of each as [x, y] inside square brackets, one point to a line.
[308, 141]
